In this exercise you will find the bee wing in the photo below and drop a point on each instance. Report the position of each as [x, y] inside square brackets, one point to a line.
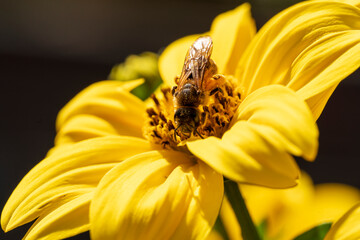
[196, 60]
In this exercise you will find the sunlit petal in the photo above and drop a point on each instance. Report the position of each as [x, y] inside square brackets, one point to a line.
[156, 195]
[282, 119]
[323, 65]
[309, 47]
[231, 32]
[66, 221]
[351, 2]
[332, 200]
[84, 126]
[66, 175]
[271, 123]
[290, 212]
[347, 227]
[107, 100]
[214, 235]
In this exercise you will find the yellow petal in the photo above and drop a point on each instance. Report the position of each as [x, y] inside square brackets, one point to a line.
[332, 200]
[351, 2]
[109, 101]
[328, 203]
[268, 204]
[347, 227]
[58, 191]
[156, 195]
[283, 119]
[231, 32]
[323, 65]
[172, 59]
[66, 221]
[290, 212]
[66, 175]
[316, 105]
[271, 123]
[309, 47]
[84, 126]
[284, 210]
[214, 236]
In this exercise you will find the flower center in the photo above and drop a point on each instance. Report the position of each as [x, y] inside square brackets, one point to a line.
[215, 114]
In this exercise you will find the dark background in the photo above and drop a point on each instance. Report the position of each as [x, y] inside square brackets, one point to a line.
[50, 50]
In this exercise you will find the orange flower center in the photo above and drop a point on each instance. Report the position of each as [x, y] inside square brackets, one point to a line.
[215, 115]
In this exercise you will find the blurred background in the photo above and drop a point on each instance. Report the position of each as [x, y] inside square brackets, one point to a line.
[50, 50]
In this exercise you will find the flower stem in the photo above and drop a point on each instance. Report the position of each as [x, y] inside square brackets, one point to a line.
[248, 229]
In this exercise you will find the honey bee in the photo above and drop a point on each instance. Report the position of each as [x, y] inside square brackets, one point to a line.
[196, 82]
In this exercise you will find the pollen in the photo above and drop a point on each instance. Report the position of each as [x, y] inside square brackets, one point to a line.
[216, 114]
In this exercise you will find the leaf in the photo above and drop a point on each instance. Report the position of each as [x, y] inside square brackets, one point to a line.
[316, 233]
[261, 228]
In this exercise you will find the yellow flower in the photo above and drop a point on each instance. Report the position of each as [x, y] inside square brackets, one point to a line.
[288, 213]
[103, 175]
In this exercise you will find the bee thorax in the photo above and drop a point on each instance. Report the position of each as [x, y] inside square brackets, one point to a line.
[188, 96]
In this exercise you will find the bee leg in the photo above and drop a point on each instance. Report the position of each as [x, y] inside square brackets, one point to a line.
[218, 77]
[177, 78]
[175, 132]
[173, 90]
[196, 131]
[215, 90]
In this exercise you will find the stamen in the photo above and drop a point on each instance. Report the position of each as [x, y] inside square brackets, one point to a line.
[215, 116]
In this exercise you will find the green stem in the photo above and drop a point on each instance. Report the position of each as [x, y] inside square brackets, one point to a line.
[248, 229]
[220, 228]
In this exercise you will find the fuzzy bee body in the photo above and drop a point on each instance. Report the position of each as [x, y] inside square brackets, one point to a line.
[193, 86]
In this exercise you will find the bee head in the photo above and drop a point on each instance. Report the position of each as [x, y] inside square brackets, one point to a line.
[186, 119]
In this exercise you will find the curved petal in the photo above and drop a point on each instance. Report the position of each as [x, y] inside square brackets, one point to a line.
[68, 220]
[332, 200]
[214, 235]
[271, 123]
[290, 212]
[82, 127]
[285, 211]
[322, 66]
[282, 119]
[231, 32]
[351, 2]
[112, 108]
[347, 227]
[309, 47]
[66, 175]
[266, 203]
[85, 126]
[156, 195]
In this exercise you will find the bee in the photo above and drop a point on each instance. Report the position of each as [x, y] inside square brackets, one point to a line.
[196, 82]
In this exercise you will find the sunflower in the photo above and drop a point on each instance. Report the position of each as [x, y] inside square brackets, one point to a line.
[117, 168]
